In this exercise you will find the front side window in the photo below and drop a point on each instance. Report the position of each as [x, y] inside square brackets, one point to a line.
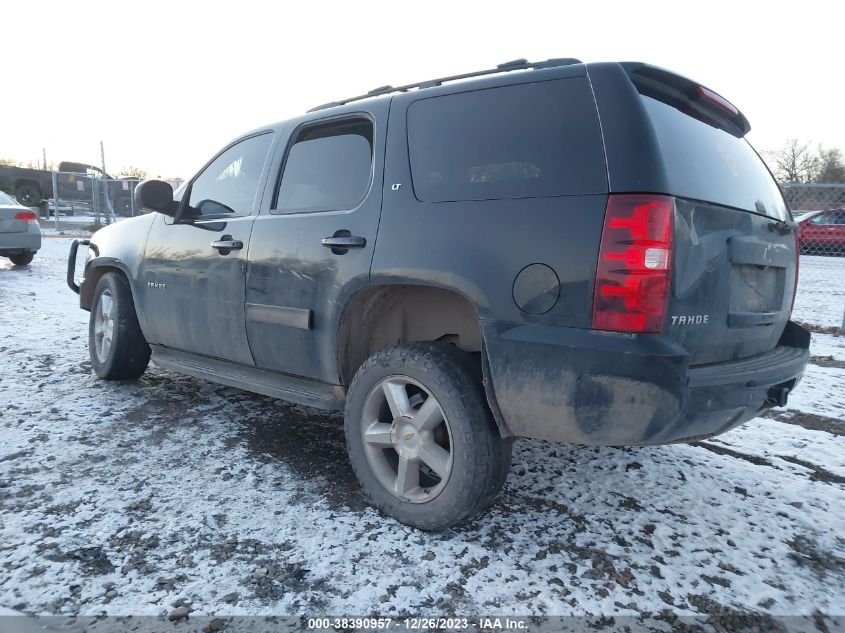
[822, 218]
[328, 168]
[524, 141]
[229, 185]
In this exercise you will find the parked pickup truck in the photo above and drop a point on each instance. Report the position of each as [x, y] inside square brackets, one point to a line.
[31, 186]
[582, 253]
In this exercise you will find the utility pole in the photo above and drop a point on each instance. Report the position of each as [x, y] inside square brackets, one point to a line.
[44, 156]
[105, 186]
[55, 199]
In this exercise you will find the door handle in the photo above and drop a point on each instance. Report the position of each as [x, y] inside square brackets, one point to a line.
[226, 245]
[342, 241]
[351, 241]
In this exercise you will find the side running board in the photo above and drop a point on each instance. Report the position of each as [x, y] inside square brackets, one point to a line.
[310, 393]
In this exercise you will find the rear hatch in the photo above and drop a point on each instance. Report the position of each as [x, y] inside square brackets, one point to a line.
[734, 250]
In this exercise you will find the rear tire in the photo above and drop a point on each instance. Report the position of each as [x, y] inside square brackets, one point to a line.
[123, 207]
[22, 259]
[28, 194]
[116, 345]
[428, 465]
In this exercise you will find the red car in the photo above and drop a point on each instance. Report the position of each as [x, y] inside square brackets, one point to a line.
[823, 232]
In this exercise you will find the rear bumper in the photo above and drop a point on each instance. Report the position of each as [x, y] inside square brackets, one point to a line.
[14, 243]
[587, 387]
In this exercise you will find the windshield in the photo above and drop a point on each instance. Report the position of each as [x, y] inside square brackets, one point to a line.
[4, 199]
[704, 162]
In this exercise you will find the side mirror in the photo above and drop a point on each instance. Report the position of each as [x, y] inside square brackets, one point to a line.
[155, 195]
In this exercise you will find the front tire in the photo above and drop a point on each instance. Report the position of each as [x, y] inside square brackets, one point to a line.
[421, 438]
[116, 345]
[22, 259]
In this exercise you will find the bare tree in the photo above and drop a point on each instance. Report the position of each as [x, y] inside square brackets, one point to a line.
[794, 162]
[137, 172]
[830, 167]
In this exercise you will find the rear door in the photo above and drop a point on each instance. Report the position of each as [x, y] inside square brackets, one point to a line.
[193, 274]
[313, 244]
[734, 260]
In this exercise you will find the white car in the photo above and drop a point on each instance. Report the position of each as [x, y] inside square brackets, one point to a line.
[20, 234]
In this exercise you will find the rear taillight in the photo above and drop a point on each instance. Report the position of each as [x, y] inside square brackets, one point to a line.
[28, 216]
[635, 260]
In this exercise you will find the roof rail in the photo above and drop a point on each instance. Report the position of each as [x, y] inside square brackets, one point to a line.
[516, 64]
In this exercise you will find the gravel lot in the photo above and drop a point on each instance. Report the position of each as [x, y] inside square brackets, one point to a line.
[141, 498]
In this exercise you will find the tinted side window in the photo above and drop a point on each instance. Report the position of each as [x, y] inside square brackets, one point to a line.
[228, 186]
[524, 141]
[328, 168]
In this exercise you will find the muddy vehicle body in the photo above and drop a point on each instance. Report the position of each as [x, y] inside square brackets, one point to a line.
[586, 253]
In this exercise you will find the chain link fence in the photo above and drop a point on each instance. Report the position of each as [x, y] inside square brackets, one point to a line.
[120, 194]
[819, 210]
[90, 198]
[803, 197]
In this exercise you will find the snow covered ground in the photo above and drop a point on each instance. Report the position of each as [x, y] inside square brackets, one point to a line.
[821, 298]
[138, 498]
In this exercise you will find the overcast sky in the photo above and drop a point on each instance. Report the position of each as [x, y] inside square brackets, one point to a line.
[165, 84]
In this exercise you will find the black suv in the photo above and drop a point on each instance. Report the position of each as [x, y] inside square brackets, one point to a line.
[586, 253]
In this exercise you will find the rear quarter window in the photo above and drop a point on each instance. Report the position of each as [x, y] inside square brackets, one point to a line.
[524, 141]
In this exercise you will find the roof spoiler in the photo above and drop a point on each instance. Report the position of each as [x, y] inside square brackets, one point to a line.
[688, 96]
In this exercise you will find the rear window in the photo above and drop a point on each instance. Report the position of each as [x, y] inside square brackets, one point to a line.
[704, 162]
[525, 141]
[4, 199]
